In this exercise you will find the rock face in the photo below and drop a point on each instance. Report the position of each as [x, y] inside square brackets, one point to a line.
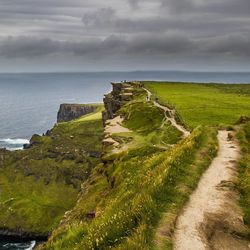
[19, 235]
[113, 101]
[243, 120]
[35, 140]
[68, 112]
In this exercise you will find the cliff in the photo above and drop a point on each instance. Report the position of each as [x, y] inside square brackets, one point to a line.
[121, 201]
[69, 112]
[121, 93]
[40, 184]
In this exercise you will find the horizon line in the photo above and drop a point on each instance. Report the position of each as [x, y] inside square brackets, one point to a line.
[125, 71]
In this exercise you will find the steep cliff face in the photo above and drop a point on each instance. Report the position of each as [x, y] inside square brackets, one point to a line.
[113, 101]
[69, 112]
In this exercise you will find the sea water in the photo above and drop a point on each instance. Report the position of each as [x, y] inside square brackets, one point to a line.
[29, 102]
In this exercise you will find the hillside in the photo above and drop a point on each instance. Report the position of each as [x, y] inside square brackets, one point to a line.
[39, 184]
[124, 186]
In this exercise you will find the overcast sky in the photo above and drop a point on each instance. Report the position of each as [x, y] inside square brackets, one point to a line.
[98, 35]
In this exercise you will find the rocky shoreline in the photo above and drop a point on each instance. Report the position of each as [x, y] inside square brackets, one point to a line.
[21, 236]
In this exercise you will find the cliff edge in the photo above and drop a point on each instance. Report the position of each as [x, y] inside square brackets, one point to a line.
[69, 112]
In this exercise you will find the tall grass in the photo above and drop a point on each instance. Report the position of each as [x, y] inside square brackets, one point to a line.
[244, 172]
[145, 186]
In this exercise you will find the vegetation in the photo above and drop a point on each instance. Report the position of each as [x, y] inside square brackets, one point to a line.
[147, 124]
[124, 199]
[128, 193]
[244, 172]
[204, 104]
[40, 184]
[128, 199]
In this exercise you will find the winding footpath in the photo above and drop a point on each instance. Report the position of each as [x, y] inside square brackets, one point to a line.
[169, 115]
[213, 205]
[212, 211]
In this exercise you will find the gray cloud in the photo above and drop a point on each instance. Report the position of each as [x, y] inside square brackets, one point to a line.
[140, 46]
[99, 17]
[138, 31]
[227, 7]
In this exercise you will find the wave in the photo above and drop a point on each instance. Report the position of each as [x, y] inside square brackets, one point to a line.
[18, 246]
[14, 141]
[13, 144]
[33, 243]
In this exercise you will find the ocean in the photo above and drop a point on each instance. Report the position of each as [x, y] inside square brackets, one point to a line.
[29, 102]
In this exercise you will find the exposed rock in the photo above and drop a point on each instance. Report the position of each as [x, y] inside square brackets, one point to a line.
[69, 112]
[94, 154]
[243, 119]
[26, 146]
[91, 215]
[35, 140]
[113, 101]
[48, 133]
[19, 235]
[110, 142]
[230, 137]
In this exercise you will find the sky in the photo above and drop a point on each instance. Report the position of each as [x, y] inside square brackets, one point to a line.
[124, 35]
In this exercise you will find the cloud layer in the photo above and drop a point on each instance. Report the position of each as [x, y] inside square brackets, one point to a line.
[132, 34]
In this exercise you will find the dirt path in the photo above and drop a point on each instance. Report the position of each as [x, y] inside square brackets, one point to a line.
[169, 115]
[212, 211]
[113, 126]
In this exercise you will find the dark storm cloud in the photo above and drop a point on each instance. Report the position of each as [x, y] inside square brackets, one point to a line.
[141, 46]
[139, 30]
[18, 47]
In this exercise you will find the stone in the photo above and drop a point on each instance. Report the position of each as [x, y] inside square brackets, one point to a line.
[120, 94]
[69, 112]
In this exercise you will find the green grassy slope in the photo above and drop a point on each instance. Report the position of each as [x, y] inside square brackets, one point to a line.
[146, 123]
[205, 104]
[244, 172]
[123, 201]
[130, 191]
[129, 196]
[38, 185]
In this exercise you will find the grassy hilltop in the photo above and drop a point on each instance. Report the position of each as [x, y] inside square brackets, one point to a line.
[132, 193]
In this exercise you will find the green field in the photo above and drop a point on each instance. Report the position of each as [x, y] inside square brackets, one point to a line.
[205, 104]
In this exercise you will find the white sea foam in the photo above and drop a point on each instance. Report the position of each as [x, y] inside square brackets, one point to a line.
[18, 246]
[33, 243]
[14, 141]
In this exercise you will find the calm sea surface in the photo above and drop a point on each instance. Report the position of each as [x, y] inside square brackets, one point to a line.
[29, 102]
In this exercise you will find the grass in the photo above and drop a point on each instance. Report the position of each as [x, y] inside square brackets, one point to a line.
[146, 123]
[124, 201]
[244, 172]
[131, 190]
[204, 104]
[128, 211]
[40, 184]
